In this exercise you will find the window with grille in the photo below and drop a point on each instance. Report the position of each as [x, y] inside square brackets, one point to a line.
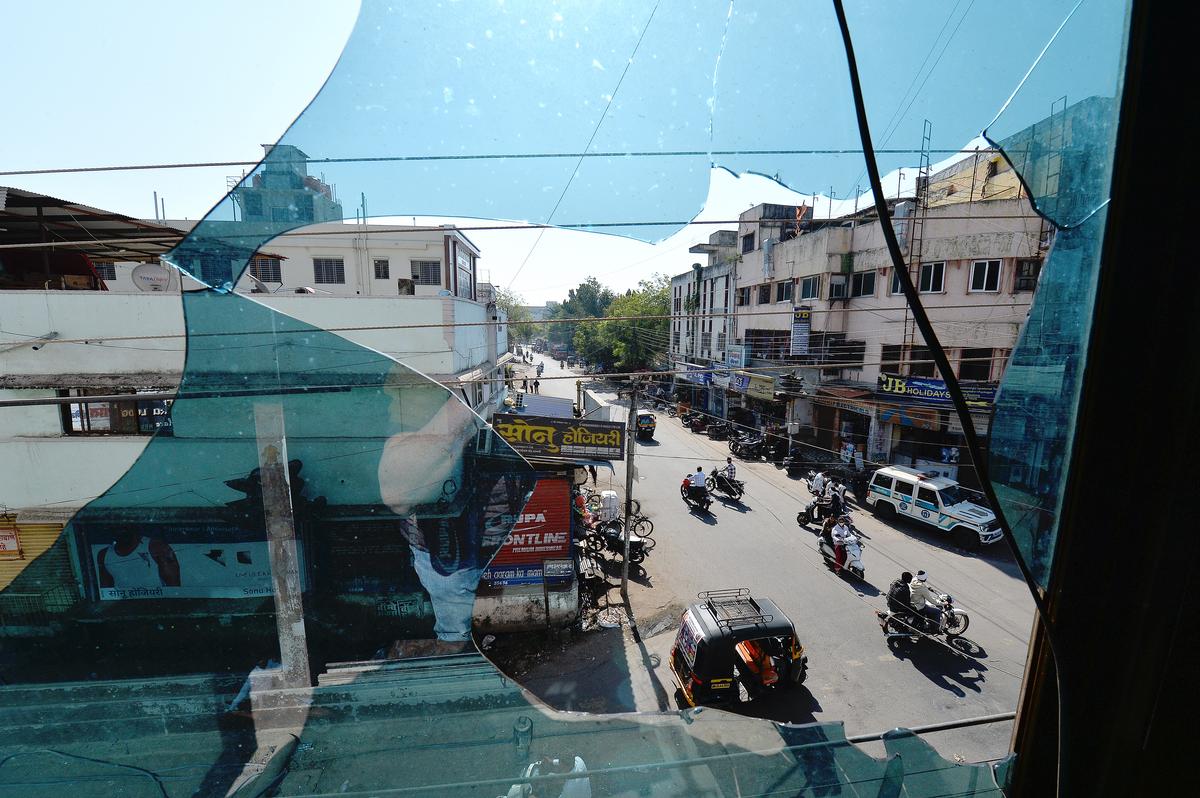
[382, 269]
[920, 362]
[706, 341]
[889, 360]
[327, 271]
[1027, 275]
[764, 294]
[862, 284]
[720, 342]
[106, 271]
[932, 279]
[748, 243]
[985, 276]
[427, 272]
[675, 340]
[266, 269]
[975, 364]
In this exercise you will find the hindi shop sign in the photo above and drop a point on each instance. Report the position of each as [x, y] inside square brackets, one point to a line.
[928, 389]
[542, 436]
[801, 327]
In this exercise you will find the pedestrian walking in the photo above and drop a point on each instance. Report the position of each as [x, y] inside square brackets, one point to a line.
[525, 385]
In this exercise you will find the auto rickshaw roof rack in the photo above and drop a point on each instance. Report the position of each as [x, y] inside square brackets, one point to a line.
[733, 607]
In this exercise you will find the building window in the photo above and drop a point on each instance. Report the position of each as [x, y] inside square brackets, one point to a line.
[328, 271]
[985, 276]
[932, 278]
[706, 341]
[783, 291]
[1027, 275]
[720, 342]
[675, 340]
[764, 294]
[106, 271]
[747, 243]
[862, 284]
[993, 168]
[114, 418]
[383, 270]
[266, 269]
[427, 272]
[743, 296]
[920, 362]
[837, 286]
[896, 288]
[675, 304]
[975, 364]
[810, 287]
[890, 357]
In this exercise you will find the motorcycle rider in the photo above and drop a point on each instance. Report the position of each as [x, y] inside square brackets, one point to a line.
[833, 497]
[817, 486]
[899, 595]
[726, 476]
[696, 487]
[839, 533]
[924, 600]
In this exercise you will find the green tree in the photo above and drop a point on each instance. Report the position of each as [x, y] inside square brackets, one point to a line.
[639, 342]
[521, 327]
[589, 299]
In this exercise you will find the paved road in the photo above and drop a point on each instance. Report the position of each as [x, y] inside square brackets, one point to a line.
[854, 676]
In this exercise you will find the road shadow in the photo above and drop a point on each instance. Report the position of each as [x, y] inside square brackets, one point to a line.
[952, 670]
[797, 705]
[637, 573]
[998, 554]
[968, 647]
[651, 443]
[707, 516]
[651, 664]
[737, 505]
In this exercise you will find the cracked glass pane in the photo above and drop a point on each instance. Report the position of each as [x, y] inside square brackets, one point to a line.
[347, 559]
[1061, 148]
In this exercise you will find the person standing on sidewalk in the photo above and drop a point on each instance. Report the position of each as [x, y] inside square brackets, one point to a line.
[537, 386]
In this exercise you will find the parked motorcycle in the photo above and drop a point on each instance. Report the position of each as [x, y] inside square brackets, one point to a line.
[698, 501]
[912, 626]
[733, 488]
[609, 537]
[672, 410]
[698, 423]
[750, 448]
[854, 548]
[686, 418]
[719, 430]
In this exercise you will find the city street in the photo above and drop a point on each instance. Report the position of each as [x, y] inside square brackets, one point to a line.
[854, 676]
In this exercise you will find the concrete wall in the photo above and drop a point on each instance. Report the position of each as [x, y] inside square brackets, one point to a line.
[99, 316]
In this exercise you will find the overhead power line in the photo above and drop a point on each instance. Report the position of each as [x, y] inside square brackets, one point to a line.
[488, 323]
[507, 156]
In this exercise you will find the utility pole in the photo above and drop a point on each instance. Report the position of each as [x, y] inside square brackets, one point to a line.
[630, 435]
[281, 544]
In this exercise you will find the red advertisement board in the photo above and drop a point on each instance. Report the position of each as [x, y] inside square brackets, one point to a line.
[543, 529]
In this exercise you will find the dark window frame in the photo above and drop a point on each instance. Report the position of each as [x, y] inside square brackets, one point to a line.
[925, 286]
[386, 272]
[858, 284]
[987, 275]
[329, 271]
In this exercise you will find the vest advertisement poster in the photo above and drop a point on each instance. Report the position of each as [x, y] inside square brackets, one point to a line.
[542, 531]
[150, 564]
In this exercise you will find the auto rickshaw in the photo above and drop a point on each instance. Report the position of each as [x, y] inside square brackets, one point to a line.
[731, 640]
[646, 422]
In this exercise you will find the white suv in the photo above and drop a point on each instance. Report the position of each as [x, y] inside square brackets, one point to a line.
[934, 500]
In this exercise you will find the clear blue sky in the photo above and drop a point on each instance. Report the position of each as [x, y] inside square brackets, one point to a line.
[127, 82]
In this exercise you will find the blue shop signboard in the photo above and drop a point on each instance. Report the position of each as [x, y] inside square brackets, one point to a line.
[931, 390]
